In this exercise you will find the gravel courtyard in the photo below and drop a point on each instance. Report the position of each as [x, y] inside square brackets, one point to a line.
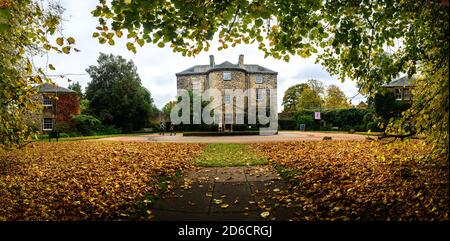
[282, 136]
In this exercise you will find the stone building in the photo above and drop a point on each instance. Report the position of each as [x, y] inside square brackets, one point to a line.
[58, 106]
[401, 88]
[253, 79]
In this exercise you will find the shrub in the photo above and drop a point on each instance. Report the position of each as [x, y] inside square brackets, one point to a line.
[308, 120]
[345, 119]
[86, 124]
[62, 127]
[287, 125]
[108, 130]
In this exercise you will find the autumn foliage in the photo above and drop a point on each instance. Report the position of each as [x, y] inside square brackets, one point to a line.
[87, 180]
[67, 106]
[363, 180]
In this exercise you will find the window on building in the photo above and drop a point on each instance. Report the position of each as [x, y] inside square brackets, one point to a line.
[226, 75]
[398, 94]
[240, 118]
[259, 94]
[47, 124]
[195, 84]
[228, 118]
[407, 94]
[46, 101]
[227, 99]
[259, 79]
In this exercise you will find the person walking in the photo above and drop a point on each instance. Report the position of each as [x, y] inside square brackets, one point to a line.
[172, 130]
[162, 128]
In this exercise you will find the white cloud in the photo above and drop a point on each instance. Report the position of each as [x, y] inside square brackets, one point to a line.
[157, 66]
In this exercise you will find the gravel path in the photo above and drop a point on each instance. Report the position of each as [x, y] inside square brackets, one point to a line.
[282, 136]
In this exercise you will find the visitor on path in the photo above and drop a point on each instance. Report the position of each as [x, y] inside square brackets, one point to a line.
[162, 128]
[172, 131]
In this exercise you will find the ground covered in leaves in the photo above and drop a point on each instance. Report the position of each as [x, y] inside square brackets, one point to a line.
[361, 180]
[85, 180]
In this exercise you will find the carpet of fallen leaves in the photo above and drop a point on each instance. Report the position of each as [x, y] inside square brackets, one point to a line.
[85, 180]
[362, 180]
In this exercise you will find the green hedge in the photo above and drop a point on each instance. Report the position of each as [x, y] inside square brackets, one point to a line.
[287, 125]
[345, 119]
[88, 125]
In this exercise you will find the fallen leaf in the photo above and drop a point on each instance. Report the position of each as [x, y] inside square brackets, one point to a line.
[265, 214]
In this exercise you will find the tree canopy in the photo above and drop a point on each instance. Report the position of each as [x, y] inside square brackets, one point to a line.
[368, 41]
[26, 28]
[116, 95]
[77, 88]
[309, 99]
[167, 108]
[335, 98]
[291, 97]
[312, 95]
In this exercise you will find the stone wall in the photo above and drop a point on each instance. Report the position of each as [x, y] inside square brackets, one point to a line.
[185, 81]
[238, 80]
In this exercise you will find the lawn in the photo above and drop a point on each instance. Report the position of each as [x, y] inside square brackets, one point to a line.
[219, 155]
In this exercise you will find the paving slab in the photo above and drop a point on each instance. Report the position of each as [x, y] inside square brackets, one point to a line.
[201, 175]
[247, 191]
[235, 194]
[230, 174]
[193, 199]
[261, 173]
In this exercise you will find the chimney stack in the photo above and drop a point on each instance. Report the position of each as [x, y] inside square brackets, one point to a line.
[241, 60]
[211, 61]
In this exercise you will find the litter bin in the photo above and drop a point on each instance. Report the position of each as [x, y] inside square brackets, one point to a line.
[302, 127]
[53, 135]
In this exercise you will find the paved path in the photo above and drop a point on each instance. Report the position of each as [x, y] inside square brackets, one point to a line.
[282, 136]
[226, 193]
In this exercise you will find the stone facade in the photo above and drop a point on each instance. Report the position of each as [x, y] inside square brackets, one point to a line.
[229, 76]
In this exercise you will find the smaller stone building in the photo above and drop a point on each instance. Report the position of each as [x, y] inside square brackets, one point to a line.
[58, 106]
[401, 88]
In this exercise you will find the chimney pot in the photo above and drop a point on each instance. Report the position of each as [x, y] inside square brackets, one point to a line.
[211, 61]
[241, 60]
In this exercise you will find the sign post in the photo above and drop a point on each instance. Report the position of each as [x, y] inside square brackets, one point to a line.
[317, 115]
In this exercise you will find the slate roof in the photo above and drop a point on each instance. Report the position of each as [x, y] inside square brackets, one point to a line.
[52, 88]
[250, 68]
[401, 82]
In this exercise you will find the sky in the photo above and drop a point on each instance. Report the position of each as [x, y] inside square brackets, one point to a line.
[157, 66]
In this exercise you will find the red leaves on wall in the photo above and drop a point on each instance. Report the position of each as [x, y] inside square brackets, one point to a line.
[66, 106]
